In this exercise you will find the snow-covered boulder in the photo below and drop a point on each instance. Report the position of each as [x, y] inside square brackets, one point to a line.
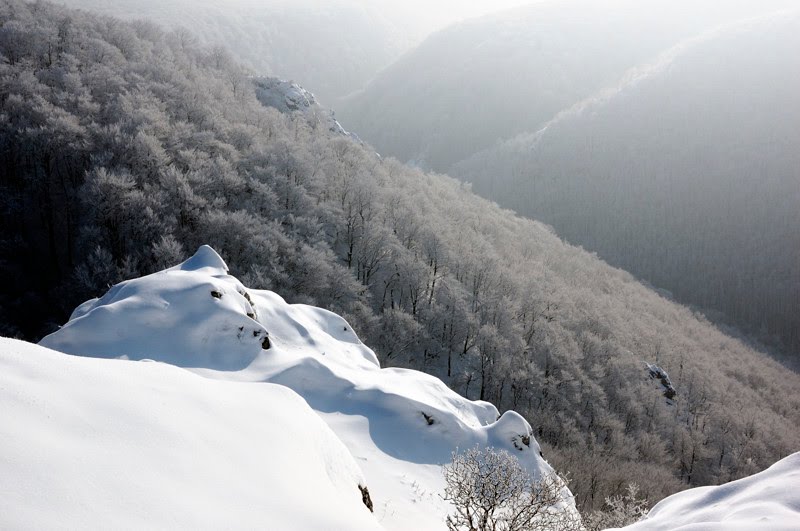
[192, 315]
[286, 96]
[289, 97]
[108, 444]
[400, 425]
[767, 500]
[657, 373]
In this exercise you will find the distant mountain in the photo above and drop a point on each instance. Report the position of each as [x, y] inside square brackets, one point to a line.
[687, 174]
[474, 83]
[334, 47]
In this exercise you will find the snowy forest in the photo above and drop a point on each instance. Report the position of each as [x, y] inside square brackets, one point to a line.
[125, 146]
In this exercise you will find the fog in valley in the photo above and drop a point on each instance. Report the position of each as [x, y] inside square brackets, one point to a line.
[331, 47]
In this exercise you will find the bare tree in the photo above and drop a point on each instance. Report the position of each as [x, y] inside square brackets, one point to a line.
[491, 491]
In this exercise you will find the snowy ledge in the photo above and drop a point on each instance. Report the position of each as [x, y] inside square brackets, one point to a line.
[399, 426]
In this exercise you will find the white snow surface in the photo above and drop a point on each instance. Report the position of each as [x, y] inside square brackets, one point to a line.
[381, 415]
[767, 500]
[109, 444]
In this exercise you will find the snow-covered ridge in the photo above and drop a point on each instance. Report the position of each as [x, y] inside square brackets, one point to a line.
[767, 500]
[118, 443]
[399, 425]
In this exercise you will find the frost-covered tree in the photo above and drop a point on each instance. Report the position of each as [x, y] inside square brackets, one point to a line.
[619, 511]
[491, 491]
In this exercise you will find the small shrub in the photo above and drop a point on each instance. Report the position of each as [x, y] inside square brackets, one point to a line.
[619, 511]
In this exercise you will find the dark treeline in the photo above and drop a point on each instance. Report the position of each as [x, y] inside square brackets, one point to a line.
[123, 148]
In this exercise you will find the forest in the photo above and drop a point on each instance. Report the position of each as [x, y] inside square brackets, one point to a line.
[125, 147]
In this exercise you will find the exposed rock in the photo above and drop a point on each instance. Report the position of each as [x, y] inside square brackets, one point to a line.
[657, 373]
[366, 498]
[289, 97]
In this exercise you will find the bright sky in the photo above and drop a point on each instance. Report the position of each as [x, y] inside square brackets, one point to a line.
[430, 13]
[470, 8]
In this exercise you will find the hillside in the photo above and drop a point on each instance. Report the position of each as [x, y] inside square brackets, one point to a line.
[480, 81]
[126, 148]
[687, 174]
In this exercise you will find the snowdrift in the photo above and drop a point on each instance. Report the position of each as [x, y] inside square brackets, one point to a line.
[399, 425]
[769, 499]
[108, 444]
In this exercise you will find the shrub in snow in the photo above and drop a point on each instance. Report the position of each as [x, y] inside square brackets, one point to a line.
[491, 491]
[619, 511]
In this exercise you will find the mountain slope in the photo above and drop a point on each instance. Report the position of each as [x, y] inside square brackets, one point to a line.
[687, 174]
[483, 80]
[400, 425]
[91, 444]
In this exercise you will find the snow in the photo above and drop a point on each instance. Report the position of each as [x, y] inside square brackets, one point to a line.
[110, 444]
[767, 500]
[286, 96]
[256, 433]
[399, 425]
[657, 373]
[164, 317]
[289, 97]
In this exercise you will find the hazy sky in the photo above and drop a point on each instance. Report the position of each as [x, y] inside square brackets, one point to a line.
[429, 13]
[459, 9]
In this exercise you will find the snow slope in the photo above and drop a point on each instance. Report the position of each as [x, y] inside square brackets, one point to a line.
[399, 425]
[109, 444]
[767, 500]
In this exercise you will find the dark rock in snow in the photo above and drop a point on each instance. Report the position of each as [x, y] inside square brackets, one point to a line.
[657, 373]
